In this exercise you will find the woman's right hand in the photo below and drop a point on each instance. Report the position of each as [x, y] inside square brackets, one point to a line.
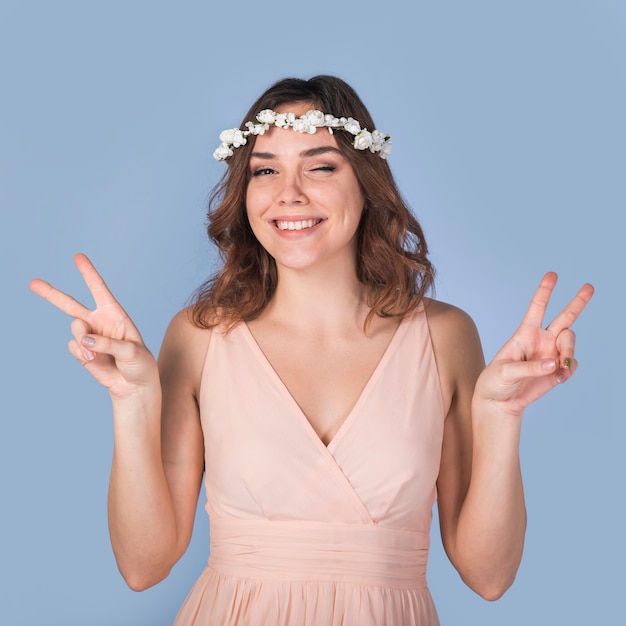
[106, 342]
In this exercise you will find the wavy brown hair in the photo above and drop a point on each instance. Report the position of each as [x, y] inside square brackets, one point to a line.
[392, 255]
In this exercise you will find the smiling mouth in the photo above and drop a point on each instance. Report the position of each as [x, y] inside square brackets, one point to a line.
[296, 225]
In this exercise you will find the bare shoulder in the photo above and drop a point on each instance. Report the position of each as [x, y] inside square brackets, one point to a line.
[183, 351]
[451, 328]
[444, 318]
[456, 345]
[182, 326]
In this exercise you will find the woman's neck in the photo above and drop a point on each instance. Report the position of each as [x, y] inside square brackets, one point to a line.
[319, 299]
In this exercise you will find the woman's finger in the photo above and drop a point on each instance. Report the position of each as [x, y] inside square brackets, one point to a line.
[79, 328]
[516, 371]
[82, 354]
[60, 300]
[539, 302]
[566, 372]
[94, 281]
[121, 350]
[566, 345]
[570, 313]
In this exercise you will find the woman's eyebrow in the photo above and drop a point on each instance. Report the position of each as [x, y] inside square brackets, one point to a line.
[319, 150]
[263, 155]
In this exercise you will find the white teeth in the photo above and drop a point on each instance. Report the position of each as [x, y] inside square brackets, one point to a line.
[298, 225]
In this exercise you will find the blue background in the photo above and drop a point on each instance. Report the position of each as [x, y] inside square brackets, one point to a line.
[508, 122]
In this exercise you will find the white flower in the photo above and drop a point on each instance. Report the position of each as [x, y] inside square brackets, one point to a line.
[284, 120]
[363, 140]
[267, 116]
[233, 137]
[333, 122]
[222, 152]
[315, 118]
[385, 149]
[301, 125]
[281, 120]
[378, 139]
[256, 129]
[352, 126]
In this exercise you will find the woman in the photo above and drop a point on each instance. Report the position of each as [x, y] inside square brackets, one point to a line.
[328, 402]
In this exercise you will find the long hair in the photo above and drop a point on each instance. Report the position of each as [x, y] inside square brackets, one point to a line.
[392, 255]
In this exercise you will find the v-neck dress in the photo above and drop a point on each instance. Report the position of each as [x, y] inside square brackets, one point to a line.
[304, 534]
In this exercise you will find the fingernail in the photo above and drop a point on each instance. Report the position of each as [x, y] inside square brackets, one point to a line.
[88, 355]
[89, 341]
[567, 363]
[561, 378]
[548, 365]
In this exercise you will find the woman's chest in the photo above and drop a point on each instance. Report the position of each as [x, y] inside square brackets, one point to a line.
[325, 375]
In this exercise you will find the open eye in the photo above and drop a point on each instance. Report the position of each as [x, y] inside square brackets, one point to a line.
[262, 171]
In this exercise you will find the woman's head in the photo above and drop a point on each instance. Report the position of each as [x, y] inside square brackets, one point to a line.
[391, 251]
[327, 94]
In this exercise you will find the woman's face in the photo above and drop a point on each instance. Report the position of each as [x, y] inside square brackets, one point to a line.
[303, 200]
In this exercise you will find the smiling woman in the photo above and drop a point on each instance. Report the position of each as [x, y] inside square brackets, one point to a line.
[303, 202]
[325, 399]
[328, 113]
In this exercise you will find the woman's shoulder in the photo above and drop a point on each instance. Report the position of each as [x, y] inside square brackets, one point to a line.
[456, 343]
[185, 346]
[447, 318]
[183, 327]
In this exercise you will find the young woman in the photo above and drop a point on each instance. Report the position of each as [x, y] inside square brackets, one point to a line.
[327, 401]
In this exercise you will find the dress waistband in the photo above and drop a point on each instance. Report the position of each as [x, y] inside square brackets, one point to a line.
[296, 550]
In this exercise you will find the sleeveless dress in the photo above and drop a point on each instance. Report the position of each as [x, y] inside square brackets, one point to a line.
[304, 534]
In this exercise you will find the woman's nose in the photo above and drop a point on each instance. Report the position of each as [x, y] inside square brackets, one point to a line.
[291, 190]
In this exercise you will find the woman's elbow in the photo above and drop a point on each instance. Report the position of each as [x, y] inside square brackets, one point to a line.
[140, 581]
[146, 570]
[490, 589]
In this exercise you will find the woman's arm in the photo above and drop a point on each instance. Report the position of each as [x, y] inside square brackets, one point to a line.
[481, 498]
[151, 527]
[155, 476]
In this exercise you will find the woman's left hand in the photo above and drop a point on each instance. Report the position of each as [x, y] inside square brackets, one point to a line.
[535, 359]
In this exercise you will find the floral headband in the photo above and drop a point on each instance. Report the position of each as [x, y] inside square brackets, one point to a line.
[375, 141]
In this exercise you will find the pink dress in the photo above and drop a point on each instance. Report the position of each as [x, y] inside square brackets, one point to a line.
[304, 534]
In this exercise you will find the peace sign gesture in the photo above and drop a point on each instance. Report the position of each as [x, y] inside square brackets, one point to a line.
[106, 342]
[535, 359]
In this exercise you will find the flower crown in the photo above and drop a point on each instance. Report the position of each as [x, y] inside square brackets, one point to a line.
[375, 141]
